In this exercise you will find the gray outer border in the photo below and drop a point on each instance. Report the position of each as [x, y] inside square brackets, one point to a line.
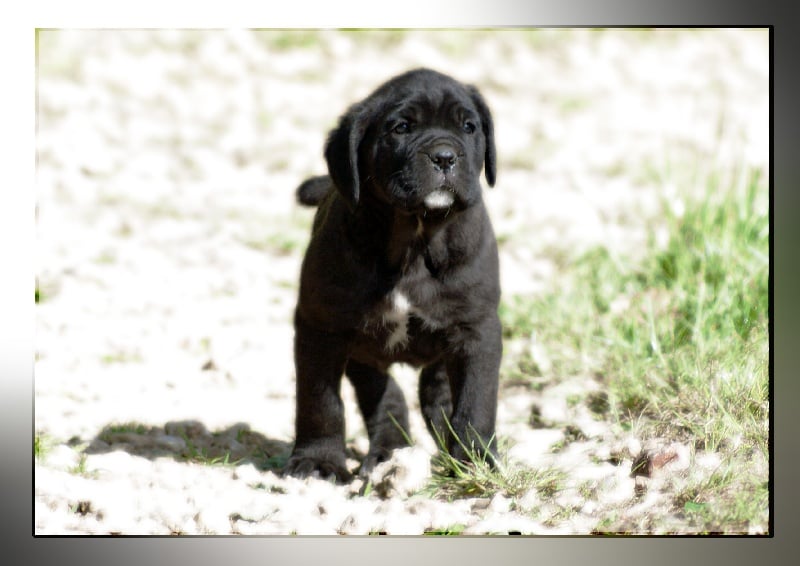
[16, 363]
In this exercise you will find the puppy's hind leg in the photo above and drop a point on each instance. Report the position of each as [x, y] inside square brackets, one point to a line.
[384, 409]
[435, 400]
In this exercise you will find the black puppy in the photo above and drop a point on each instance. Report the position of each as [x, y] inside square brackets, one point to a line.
[401, 267]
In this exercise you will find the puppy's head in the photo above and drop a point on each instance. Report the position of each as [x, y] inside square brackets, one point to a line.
[417, 143]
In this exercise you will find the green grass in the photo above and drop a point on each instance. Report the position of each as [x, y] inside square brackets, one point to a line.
[477, 477]
[106, 257]
[278, 236]
[277, 244]
[729, 499]
[42, 445]
[286, 40]
[202, 455]
[45, 289]
[81, 469]
[121, 357]
[452, 479]
[109, 432]
[452, 530]
[678, 336]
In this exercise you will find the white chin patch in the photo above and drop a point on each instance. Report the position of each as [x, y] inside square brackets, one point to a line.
[439, 198]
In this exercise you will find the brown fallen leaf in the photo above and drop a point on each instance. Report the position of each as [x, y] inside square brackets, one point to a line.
[675, 456]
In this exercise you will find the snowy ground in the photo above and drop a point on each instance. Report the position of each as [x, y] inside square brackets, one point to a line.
[169, 246]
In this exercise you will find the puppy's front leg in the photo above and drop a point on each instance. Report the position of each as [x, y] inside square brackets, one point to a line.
[473, 374]
[319, 421]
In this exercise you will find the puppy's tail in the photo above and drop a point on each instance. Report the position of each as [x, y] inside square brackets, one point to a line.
[313, 190]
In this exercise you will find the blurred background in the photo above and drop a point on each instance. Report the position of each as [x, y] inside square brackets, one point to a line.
[218, 122]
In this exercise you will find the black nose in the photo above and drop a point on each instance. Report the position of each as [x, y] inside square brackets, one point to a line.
[444, 158]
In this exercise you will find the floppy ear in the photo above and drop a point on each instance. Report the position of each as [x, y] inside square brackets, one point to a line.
[487, 124]
[341, 153]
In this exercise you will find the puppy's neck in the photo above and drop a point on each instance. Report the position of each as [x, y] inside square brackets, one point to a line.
[399, 237]
[405, 241]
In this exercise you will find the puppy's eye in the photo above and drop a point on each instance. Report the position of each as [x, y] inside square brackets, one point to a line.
[401, 128]
[469, 127]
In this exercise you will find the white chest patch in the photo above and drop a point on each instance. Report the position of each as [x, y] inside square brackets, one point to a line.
[397, 314]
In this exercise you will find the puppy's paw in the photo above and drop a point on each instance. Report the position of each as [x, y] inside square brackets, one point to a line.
[381, 449]
[305, 463]
[475, 454]
[371, 460]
